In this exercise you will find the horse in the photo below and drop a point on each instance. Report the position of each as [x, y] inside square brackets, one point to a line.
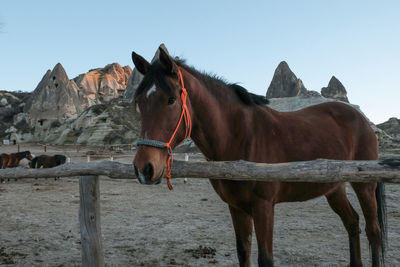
[228, 123]
[45, 161]
[25, 163]
[12, 160]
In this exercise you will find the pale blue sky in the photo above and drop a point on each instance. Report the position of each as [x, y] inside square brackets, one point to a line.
[242, 41]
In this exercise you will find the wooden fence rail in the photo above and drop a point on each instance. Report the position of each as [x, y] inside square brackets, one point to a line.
[89, 211]
[320, 170]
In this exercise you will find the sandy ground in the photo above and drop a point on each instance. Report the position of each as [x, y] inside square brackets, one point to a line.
[152, 226]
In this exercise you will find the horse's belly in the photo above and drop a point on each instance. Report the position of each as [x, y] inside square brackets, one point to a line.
[236, 193]
[290, 192]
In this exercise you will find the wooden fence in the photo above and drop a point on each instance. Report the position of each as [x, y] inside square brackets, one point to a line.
[89, 211]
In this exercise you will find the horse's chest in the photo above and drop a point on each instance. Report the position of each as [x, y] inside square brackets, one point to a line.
[238, 194]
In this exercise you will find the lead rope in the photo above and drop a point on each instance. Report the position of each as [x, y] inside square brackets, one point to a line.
[188, 122]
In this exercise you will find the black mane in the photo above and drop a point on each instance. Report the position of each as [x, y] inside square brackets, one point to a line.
[155, 74]
[245, 96]
[21, 155]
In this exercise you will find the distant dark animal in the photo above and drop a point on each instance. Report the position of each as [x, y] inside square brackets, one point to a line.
[394, 163]
[12, 160]
[227, 123]
[45, 161]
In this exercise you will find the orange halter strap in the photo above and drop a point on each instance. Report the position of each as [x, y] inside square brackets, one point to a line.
[188, 122]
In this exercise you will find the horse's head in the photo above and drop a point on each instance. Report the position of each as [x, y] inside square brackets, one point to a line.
[28, 155]
[164, 115]
[60, 159]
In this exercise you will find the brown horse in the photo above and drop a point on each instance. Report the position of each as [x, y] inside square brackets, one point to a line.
[228, 123]
[12, 160]
[45, 161]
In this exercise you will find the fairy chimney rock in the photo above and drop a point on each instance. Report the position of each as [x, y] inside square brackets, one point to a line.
[56, 98]
[104, 84]
[335, 90]
[285, 83]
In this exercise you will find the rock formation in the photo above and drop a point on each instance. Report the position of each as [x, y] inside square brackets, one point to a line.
[391, 127]
[56, 98]
[11, 116]
[116, 122]
[335, 90]
[103, 84]
[285, 83]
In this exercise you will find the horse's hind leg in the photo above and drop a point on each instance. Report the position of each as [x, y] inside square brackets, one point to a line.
[243, 225]
[340, 204]
[367, 196]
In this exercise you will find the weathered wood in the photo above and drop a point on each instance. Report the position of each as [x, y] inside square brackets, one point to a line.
[89, 219]
[321, 170]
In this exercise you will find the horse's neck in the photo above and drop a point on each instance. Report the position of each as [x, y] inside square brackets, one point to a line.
[20, 155]
[215, 122]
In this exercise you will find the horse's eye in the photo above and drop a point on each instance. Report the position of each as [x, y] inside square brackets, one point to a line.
[171, 100]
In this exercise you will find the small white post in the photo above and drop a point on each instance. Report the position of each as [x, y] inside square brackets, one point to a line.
[88, 158]
[186, 159]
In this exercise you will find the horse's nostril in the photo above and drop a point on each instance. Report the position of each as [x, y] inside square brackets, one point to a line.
[136, 170]
[148, 171]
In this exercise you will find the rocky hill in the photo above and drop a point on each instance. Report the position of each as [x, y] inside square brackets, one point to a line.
[57, 101]
[11, 113]
[391, 127]
[115, 122]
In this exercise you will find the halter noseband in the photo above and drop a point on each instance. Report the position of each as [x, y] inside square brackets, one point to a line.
[158, 144]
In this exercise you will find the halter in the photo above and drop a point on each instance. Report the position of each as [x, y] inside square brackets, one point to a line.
[158, 144]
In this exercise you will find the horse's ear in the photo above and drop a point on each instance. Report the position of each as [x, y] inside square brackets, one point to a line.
[167, 62]
[141, 64]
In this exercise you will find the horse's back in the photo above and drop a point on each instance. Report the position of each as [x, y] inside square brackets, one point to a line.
[365, 140]
[331, 130]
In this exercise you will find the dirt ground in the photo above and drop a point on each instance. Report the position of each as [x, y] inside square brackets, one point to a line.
[152, 226]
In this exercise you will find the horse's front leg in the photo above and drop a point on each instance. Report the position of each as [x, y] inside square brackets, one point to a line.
[243, 225]
[263, 216]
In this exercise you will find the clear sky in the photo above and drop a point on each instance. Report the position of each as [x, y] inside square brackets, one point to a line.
[242, 41]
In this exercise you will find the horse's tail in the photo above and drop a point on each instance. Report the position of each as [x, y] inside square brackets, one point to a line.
[1, 162]
[382, 219]
[32, 164]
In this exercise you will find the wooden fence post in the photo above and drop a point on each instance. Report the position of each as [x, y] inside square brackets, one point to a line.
[89, 219]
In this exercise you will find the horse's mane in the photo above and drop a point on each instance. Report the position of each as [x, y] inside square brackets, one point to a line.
[215, 82]
[21, 155]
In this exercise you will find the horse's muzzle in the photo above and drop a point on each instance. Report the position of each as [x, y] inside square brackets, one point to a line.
[145, 176]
